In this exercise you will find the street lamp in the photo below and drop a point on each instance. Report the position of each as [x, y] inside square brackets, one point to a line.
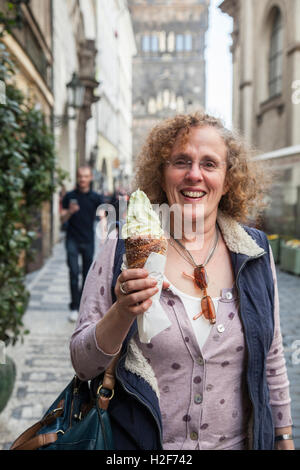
[76, 91]
[75, 100]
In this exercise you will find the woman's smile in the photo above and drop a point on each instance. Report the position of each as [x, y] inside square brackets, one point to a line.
[193, 194]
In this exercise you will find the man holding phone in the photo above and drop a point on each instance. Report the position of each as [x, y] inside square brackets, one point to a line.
[79, 211]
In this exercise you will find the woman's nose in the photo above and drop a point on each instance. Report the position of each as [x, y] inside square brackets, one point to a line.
[195, 172]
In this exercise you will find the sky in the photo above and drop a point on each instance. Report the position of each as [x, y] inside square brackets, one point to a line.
[219, 64]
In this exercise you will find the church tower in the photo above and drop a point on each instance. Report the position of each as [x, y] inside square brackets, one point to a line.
[169, 68]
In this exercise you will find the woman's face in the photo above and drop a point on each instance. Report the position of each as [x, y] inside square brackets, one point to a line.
[196, 172]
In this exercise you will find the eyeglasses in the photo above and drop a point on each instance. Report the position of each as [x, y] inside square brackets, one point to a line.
[208, 165]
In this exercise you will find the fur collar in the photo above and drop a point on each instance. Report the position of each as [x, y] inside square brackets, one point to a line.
[237, 241]
[236, 237]
[137, 364]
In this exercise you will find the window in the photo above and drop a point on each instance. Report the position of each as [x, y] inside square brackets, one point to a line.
[180, 104]
[146, 43]
[184, 42]
[154, 43]
[152, 106]
[166, 98]
[150, 43]
[276, 55]
[162, 41]
[171, 42]
[179, 42]
[188, 42]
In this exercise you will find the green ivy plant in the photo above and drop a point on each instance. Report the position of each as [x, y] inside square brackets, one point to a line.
[28, 177]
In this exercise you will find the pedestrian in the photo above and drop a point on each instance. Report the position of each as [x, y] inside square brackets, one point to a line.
[211, 381]
[79, 211]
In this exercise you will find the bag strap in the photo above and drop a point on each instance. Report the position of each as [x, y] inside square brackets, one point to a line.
[105, 391]
[28, 440]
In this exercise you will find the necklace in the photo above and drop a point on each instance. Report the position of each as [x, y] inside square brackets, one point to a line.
[200, 277]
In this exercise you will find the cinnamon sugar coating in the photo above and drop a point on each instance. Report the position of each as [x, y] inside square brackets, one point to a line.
[139, 248]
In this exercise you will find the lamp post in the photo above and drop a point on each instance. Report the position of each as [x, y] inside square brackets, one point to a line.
[76, 91]
[75, 100]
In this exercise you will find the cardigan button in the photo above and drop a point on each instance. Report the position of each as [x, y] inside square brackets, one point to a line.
[194, 436]
[198, 398]
[200, 361]
[221, 328]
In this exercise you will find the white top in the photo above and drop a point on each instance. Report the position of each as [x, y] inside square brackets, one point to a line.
[192, 305]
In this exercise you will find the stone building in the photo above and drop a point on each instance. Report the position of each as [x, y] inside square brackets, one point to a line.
[266, 104]
[116, 47]
[169, 68]
[56, 39]
[74, 52]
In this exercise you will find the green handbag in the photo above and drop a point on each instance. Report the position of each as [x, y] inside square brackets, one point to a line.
[75, 421]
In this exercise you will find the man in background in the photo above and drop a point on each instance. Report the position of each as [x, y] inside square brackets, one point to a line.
[79, 211]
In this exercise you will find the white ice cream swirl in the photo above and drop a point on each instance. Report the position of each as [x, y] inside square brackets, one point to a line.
[141, 218]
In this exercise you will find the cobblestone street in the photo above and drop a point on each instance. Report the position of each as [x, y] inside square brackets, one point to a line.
[43, 362]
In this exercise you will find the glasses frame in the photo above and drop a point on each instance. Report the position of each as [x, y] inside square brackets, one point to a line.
[190, 164]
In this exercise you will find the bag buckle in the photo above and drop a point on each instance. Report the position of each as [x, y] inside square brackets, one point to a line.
[56, 409]
[112, 392]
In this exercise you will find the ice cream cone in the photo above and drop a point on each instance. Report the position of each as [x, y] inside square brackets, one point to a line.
[142, 232]
[139, 248]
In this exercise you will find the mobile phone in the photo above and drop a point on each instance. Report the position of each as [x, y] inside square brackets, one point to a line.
[73, 201]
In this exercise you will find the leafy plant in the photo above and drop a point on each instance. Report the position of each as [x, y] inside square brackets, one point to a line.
[28, 177]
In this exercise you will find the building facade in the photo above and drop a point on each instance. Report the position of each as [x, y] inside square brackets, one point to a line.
[266, 97]
[92, 40]
[31, 44]
[116, 47]
[169, 68]
[74, 52]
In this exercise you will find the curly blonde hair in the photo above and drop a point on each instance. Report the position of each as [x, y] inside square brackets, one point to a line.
[245, 179]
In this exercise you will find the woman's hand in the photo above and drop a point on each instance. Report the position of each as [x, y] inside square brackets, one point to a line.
[139, 288]
[112, 329]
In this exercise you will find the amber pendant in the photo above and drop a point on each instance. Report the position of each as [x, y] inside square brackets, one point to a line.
[200, 277]
[208, 309]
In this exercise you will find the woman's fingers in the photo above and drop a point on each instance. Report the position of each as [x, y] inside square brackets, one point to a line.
[134, 290]
[129, 274]
[140, 296]
[141, 308]
[139, 284]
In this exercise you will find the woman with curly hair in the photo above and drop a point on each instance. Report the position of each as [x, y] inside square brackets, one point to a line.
[216, 378]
